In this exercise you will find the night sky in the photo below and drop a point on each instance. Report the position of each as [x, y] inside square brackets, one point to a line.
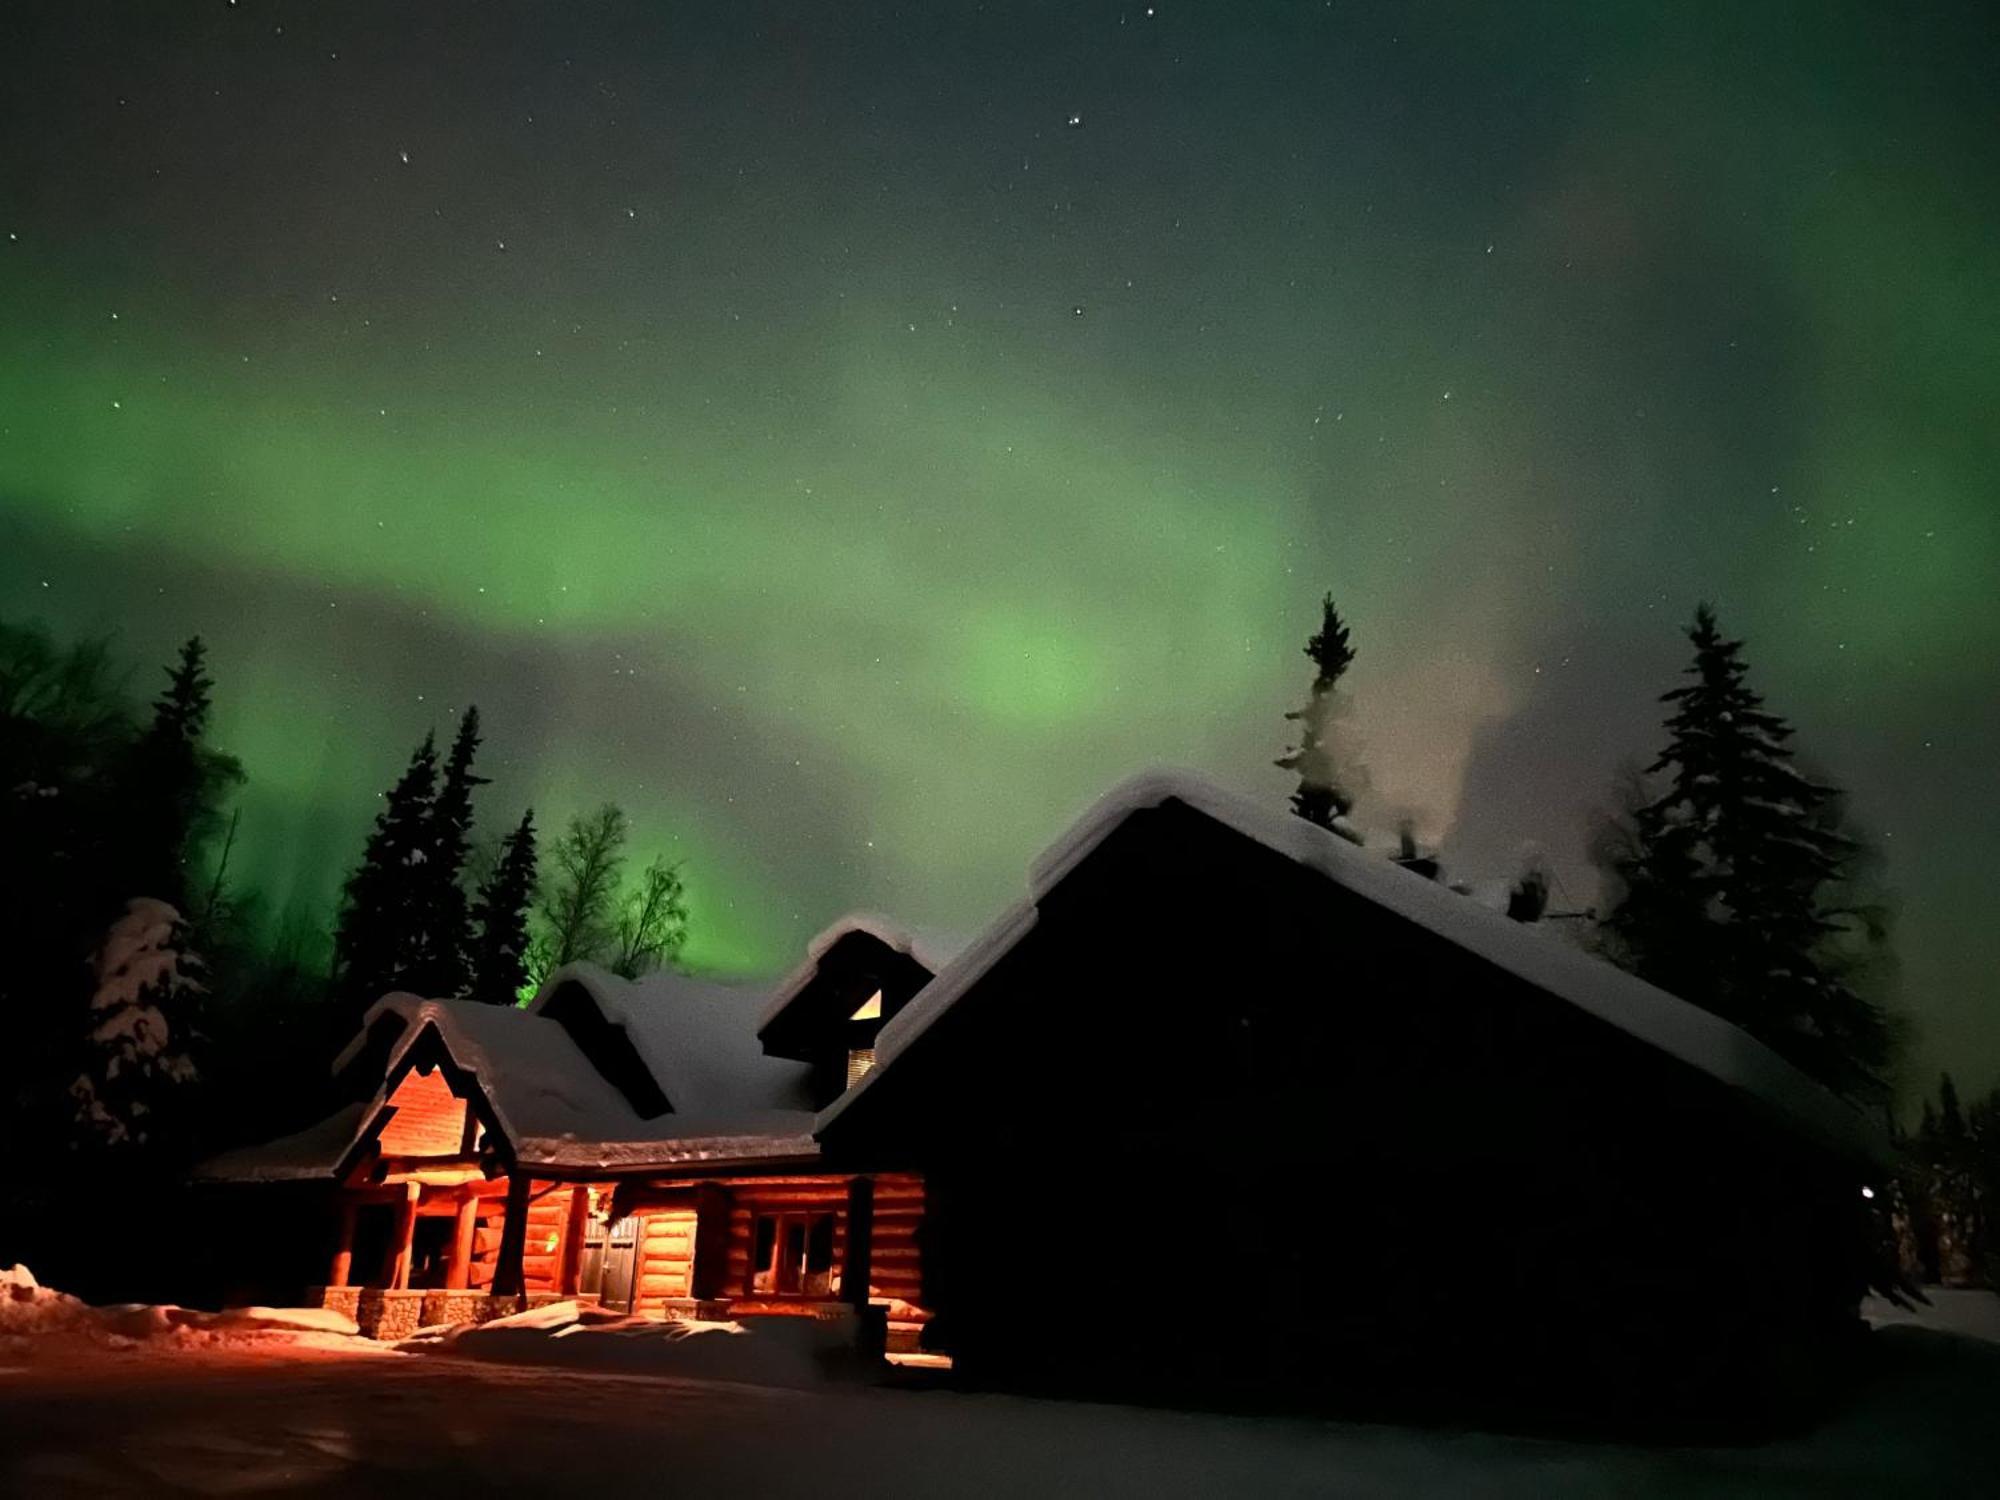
[852, 437]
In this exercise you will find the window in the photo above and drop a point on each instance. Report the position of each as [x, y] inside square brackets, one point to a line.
[859, 1061]
[792, 1255]
[871, 1009]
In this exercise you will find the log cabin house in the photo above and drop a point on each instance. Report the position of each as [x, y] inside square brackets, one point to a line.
[1225, 1102]
[645, 1144]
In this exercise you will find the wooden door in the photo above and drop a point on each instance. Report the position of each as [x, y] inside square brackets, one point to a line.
[621, 1263]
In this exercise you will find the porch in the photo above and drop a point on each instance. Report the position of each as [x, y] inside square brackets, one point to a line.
[424, 1245]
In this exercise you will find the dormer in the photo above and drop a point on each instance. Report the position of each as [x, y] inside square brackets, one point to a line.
[828, 1012]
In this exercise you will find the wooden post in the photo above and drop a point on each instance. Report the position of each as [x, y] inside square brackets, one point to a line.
[711, 1242]
[458, 1271]
[854, 1272]
[343, 1255]
[406, 1231]
[508, 1279]
[572, 1250]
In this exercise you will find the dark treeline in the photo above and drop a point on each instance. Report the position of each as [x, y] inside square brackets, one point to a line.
[154, 1020]
[153, 1015]
[1733, 878]
[1947, 1225]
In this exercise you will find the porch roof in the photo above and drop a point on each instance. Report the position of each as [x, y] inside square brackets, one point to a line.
[303, 1156]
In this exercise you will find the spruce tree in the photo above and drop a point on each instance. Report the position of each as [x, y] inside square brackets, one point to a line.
[1324, 794]
[499, 970]
[147, 986]
[381, 920]
[1724, 880]
[438, 963]
[172, 784]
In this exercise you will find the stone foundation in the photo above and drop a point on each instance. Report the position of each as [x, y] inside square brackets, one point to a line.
[340, 1299]
[466, 1306]
[695, 1310]
[390, 1316]
[393, 1315]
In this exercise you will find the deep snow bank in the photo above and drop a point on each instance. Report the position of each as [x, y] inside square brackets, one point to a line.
[798, 1353]
[35, 1316]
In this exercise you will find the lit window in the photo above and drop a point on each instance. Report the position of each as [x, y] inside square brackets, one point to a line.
[859, 1061]
[793, 1256]
[871, 1009]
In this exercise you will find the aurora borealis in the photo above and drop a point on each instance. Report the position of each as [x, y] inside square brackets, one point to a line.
[852, 437]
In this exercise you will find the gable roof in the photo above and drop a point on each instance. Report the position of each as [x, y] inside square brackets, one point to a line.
[1651, 1015]
[697, 1037]
[548, 1099]
[931, 950]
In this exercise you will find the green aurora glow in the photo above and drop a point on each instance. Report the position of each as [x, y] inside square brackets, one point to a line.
[856, 486]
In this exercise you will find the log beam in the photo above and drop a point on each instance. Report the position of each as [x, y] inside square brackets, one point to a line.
[572, 1232]
[458, 1272]
[508, 1278]
[854, 1272]
[406, 1231]
[342, 1269]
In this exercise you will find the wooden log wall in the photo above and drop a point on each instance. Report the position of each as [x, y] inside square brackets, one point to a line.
[548, 1224]
[429, 1118]
[895, 1266]
[666, 1259]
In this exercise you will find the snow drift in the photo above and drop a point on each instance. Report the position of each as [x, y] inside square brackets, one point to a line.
[33, 1316]
[798, 1353]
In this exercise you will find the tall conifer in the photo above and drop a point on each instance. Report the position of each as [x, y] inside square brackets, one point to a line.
[1725, 878]
[172, 784]
[499, 969]
[381, 922]
[438, 962]
[1324, 795]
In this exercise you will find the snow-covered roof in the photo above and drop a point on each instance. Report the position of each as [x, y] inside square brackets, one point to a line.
[536, 1080]
[552, 1106]
[1557, 968]
[303, 1156]
[933, 950]
[697, 1037]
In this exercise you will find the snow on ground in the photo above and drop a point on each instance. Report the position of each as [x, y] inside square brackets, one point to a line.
[199, 1409]
[799, 1353]
[41, 1323]
[1974, 1314]
[217, 1421]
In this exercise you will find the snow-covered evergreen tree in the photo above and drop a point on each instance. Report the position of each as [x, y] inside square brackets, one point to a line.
[147, 987]
[498, 959]
[1723, 881]
[1325, 793]
[382, 913]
